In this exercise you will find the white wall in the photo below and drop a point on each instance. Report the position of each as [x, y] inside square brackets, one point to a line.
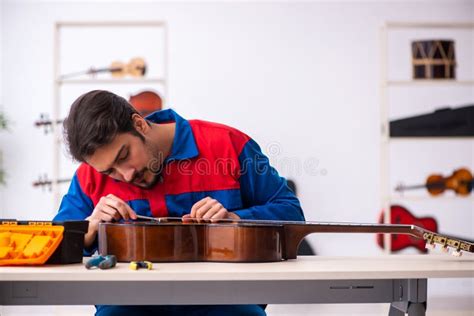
[299, 76]
[1, 99]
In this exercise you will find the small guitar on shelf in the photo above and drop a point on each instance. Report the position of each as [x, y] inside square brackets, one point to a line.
[430, 237]
[44, 182]
[460, 181]
[135, 68]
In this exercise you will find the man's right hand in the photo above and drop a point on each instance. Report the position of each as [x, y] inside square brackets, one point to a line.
[109, 208]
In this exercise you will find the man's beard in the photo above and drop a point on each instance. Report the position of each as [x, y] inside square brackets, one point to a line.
[142, 182]
[154, 167]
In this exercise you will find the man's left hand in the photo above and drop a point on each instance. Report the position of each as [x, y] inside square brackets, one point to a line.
[209, 208]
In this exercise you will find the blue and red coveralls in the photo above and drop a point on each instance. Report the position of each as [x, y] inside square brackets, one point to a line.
[207, 159]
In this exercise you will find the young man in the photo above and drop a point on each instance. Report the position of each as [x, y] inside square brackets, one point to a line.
[161, 166]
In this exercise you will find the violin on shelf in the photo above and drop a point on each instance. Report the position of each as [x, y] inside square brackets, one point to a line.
[136, 67]
[44, 182]
[46, 123]
[399, 215]
[460, 181]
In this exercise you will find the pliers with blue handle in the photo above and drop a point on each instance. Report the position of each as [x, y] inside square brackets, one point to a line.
[102, 262]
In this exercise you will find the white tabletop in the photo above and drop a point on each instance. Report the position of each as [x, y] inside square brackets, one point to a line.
[303, 268]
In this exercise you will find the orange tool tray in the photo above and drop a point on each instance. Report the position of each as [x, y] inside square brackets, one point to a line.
[30, 244]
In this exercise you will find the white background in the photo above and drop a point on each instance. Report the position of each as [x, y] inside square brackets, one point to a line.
[301, 77]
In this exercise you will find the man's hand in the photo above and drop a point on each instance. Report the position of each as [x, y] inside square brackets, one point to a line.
[209, 208]
[109, 208]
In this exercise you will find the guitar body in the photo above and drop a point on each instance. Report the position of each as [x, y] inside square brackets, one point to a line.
[400, 215]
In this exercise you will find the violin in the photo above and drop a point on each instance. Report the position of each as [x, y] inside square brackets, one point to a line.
[460, 181]
[174, 240]
[43, 181]
[136, 67]
[46, 123]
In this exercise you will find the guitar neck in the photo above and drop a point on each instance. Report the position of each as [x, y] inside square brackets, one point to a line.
[295, 232]
[341, 227]
[314, 227]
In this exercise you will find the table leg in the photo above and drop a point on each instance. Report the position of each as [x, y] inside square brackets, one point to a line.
[398, 309]
[412, 296]
[416, 309]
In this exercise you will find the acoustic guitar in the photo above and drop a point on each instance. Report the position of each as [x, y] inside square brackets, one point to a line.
[174, 240]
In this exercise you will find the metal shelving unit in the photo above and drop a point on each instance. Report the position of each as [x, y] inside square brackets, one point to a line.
[385, 84]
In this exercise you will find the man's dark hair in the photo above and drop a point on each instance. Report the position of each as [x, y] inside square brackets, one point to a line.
[95, 118]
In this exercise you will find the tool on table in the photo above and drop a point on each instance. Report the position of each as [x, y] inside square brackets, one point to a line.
[148, 218]
[102, 262]
[135, 265]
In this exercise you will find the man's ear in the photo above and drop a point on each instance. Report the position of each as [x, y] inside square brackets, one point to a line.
[140, 123]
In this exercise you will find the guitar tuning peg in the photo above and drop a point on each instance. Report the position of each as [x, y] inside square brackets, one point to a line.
[430, 246]
[457, 253]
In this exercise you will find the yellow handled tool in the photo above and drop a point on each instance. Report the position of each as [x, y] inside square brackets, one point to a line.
[135, 265]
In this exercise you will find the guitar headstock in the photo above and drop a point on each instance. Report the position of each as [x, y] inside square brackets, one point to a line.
[456, 245]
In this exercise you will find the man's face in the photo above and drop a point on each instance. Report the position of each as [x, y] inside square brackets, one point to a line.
[130, 159]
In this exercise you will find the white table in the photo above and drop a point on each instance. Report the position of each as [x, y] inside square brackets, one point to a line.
[397, 279]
